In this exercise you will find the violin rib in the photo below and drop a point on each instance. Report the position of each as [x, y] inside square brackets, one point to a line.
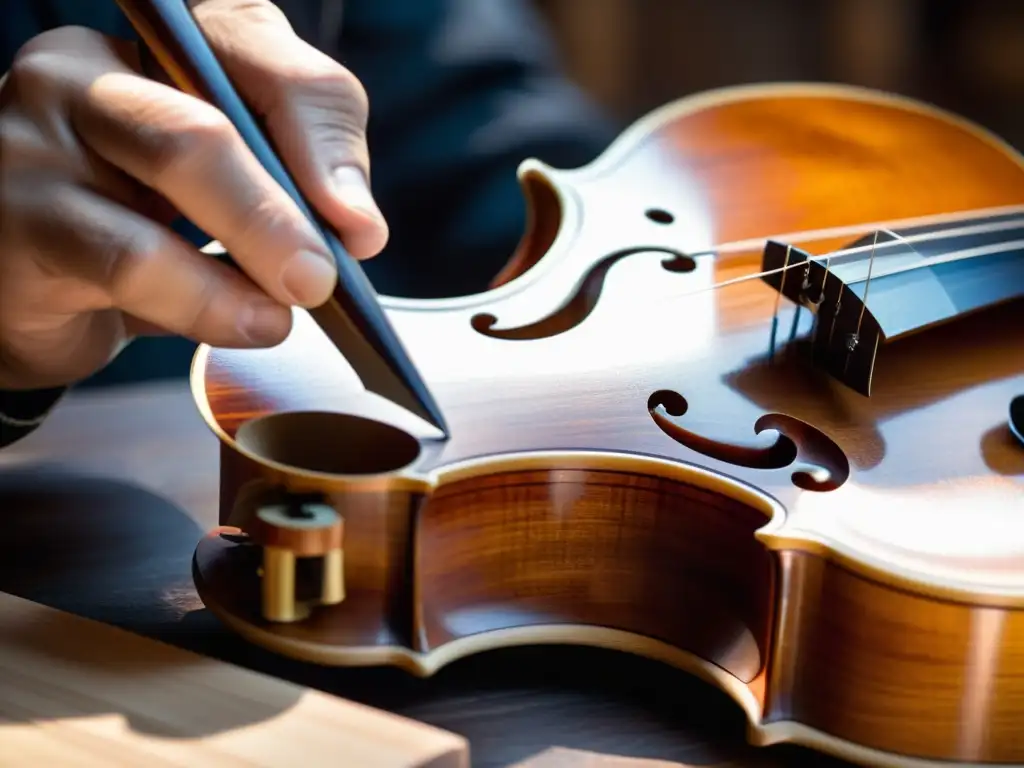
[648, 454]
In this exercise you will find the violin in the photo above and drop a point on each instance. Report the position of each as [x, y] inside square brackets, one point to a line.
[739, 403]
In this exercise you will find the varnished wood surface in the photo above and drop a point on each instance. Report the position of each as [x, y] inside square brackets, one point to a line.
[906, 508]
[82, 693]
[103, 508]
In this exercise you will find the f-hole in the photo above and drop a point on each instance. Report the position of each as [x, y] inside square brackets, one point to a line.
[543, 222]
[543, 219]
[818, 463]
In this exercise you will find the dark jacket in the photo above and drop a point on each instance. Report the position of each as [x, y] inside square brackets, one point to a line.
[461, 91]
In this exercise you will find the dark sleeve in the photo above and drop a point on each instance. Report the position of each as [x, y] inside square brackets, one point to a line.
[22, 411]
[461, 92]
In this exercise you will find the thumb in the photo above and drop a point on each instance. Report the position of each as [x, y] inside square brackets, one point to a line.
[314, 108]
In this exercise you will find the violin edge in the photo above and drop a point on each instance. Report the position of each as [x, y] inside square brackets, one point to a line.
[774, 535]
[924, 580]
[793, 699]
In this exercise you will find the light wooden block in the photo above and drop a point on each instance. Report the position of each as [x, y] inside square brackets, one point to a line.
[75, 692]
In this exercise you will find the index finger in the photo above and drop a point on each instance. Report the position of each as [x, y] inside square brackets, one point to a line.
[189, 152]
[315, 110]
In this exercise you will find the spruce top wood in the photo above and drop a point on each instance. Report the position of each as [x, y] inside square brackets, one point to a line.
[739, 404]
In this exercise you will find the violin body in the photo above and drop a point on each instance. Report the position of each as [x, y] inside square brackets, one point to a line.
[635, 463]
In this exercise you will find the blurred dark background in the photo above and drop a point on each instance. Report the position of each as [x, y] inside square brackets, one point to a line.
[963, 55]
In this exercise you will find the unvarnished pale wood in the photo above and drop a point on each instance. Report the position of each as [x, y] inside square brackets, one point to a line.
[75, 692]
[575, 758]
[613, 477]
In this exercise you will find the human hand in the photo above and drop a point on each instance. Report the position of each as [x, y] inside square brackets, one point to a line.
[96, 160]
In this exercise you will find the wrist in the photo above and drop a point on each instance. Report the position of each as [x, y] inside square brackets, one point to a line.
[22, 411]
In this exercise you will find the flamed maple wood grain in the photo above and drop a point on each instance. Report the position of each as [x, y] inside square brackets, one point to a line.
[877, 616]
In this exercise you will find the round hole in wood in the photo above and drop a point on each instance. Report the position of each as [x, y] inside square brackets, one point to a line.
[331, 443]
[659, 215]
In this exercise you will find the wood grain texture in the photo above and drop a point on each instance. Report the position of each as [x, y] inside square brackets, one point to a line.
[129, 477]
[616, 475]
[575, 758]
[77, 692]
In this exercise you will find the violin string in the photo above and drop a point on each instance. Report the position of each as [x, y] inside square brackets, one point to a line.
[775, 314]
[821, 298]
[935, 261]
[826, 260]
[979, 229]
[964, 255]
[853, 230]
[976, 229]
[855, 339]
[927, 261]
[793, 326]
[854, 251]
[835, 313]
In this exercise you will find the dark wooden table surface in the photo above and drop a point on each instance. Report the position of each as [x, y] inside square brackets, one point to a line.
[102, 509]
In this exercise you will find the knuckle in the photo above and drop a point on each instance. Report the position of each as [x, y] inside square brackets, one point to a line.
[197, 139]
[9, 252]
[267, 228]
[30, 206]
[195, 310]
[124, 265]
[200, 312]
[11, 142]
[207, 132]
[44, 58]
[322, 85]
[21, 146]
[339, 89]
[12, 213]
[352, 92]
[333, 108]
[34, 68]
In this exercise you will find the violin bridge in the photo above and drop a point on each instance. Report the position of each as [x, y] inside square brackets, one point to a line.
[780, 268]
[845, 336]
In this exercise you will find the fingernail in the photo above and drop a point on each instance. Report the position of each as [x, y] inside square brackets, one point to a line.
[351, 188]
[261, 324]
[309, 278]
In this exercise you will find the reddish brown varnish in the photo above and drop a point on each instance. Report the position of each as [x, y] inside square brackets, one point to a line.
[604, 483]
